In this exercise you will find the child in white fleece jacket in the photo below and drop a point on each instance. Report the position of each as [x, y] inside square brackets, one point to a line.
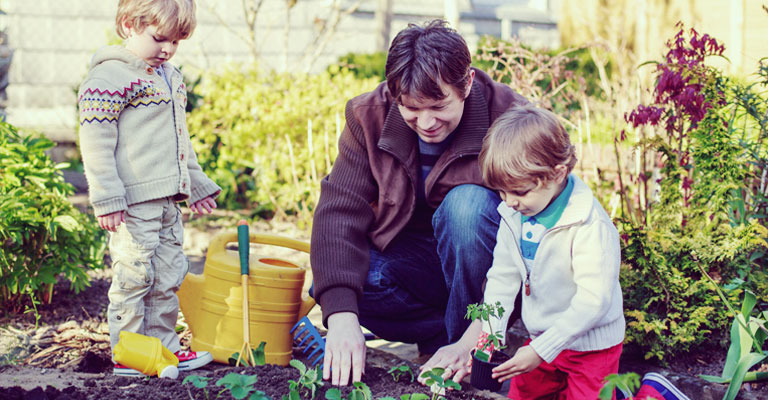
[558, 245]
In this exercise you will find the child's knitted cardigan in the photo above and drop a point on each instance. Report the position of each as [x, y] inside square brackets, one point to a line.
[133, 134]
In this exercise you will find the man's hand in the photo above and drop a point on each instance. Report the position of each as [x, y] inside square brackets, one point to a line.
[524, 360]
[454, 358]
[206, 204]
[344, 349]
[110, 222]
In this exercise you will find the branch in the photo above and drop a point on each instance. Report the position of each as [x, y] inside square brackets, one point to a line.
[326, 33]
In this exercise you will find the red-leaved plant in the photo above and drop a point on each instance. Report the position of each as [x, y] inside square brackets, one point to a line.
[681, 98]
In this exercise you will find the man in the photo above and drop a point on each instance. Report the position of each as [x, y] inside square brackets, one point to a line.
[403, 233]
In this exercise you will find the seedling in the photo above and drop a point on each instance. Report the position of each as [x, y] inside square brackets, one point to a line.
[309, 381]
[258, 356]
[239, 386]
[408, 396]
[436, 383]
[400, 370]
[484, 312]
[199, 382]
[360, 392]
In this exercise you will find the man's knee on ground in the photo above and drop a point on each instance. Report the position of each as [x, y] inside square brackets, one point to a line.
[465, 207]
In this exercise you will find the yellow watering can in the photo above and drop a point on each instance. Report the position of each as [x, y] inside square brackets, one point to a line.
[212, 302]
[145, 354]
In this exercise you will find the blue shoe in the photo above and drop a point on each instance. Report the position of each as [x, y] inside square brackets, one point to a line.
[660, 387]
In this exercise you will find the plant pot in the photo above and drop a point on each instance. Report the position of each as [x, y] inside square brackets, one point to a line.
[481, 371]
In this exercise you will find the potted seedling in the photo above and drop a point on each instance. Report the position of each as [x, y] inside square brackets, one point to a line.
[488, 354]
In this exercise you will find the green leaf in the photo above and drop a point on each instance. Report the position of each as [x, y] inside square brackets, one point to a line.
[68, 223]
[259, 356]
[333, 394]
[259, 395]
[199, 382]
[738, 376]
[715, 379]
[749, 303]
[298, 365]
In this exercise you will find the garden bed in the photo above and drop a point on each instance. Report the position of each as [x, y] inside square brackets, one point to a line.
[68, 356]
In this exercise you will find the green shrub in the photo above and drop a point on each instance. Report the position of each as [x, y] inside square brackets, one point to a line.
[251, 135]
[42, 234]
[363, 65]
[677, 216]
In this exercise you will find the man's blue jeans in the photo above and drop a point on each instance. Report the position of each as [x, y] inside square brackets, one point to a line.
[418, 288]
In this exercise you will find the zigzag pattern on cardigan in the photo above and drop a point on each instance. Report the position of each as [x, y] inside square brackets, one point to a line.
[97, 105]
[116, 92]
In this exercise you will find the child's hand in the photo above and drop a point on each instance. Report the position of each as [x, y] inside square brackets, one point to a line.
[525, 360]
[206, 204]
[110, 222]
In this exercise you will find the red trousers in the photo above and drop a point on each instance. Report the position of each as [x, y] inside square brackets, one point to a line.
[573, 375]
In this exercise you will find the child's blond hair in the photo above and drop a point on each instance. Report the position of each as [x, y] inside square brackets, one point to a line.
[173, 18]
[523, 147]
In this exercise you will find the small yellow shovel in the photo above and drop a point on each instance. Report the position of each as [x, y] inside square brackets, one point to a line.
[243, 249]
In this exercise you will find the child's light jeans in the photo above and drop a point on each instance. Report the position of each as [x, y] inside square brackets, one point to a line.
[148, 267]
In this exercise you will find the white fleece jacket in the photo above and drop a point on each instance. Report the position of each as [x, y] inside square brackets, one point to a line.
[133, 134]
[575, 299]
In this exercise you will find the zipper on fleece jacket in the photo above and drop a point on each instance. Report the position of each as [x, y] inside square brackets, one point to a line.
[527, 281]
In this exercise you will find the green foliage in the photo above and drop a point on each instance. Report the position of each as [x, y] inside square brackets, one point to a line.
[42, 234]
[692, 205]
[628, 382]
[310, 379]
[363, 66]
[434, 379]
[399, 370]
[748, 336]
[252, 135]
[485, 312]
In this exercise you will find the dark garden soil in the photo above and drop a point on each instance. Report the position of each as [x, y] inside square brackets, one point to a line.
[67, 356]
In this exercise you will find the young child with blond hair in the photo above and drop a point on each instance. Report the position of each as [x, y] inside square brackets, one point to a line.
[557, 244]
[139, 164]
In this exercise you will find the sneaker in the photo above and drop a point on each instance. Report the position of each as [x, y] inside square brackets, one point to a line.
[122, 370]
[658, 387]
[189, 360]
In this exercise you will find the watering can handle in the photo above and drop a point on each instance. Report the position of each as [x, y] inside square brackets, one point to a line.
[219, 243]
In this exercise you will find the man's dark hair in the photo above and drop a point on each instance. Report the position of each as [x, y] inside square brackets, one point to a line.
[421, 56]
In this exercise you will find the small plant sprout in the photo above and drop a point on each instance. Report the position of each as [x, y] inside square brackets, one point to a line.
[361, 391]
[408, 396]
[400, 370]
[199, 382]
[436, 383]
[309, 381]
[239, 386]
[484, 312]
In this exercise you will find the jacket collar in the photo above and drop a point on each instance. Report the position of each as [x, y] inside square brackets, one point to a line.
[400, 140]
[577, 210]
